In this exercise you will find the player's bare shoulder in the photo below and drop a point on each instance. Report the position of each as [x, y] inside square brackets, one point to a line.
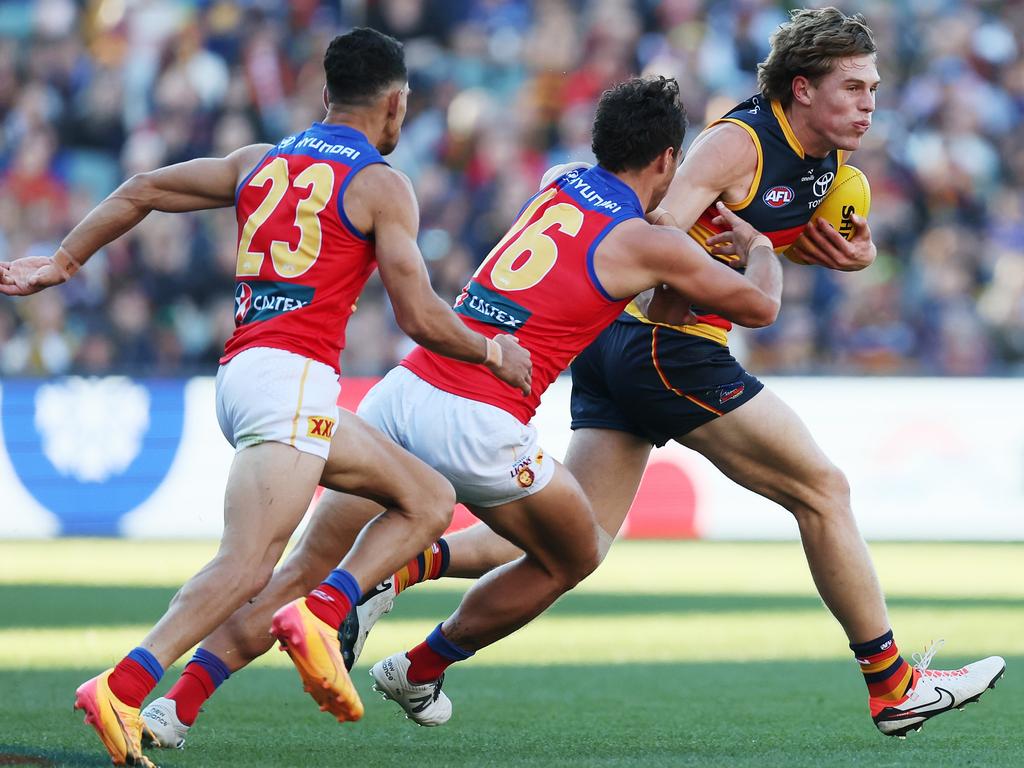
[378, 191]
[244, 159]
[725, 151]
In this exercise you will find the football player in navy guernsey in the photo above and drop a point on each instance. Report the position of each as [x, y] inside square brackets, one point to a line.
[663, 370]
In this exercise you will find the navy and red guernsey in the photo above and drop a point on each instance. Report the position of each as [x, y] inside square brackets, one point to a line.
[788, 186]
[539, 283]
[301, 264]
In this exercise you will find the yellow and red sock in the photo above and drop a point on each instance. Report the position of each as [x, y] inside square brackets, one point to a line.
[431, 563]
[887, 675]
[202, 676]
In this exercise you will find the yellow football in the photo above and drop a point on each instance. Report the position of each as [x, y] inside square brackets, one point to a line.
[849, 194]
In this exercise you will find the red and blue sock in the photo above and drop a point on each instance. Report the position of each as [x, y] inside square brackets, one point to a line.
[431, 563]
[202, 676]
[888, 676]
[334, 598]
[433, 656]
[135, 676]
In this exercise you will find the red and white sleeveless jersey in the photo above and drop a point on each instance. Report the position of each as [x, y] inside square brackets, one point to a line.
[301, 264]
[539, 283]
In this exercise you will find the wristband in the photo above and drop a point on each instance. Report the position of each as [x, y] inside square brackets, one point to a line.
[494, 356]
[66, 263]
[758, 242]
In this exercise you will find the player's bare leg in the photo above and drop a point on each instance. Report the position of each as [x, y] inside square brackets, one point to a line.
[245, 636]
[418, 506]
[556, 530]
[608, 465]
[475, 550]
[764, 446]
[269, 488]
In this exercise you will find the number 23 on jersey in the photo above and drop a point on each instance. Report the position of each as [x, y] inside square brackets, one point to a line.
[278, 210]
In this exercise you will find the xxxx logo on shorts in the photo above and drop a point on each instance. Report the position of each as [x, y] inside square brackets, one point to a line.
[321, 427]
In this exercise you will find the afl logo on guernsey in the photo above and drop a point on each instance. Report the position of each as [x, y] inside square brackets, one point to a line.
[822, 184]
[243, 302]
[776, 197]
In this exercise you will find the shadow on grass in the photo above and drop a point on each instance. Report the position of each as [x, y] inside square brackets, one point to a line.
[794, 714]
[50, 758]
[33, 606]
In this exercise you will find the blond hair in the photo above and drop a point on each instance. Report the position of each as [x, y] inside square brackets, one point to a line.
[809, 45]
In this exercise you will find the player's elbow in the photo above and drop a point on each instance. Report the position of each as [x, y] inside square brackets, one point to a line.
[415, 325]
[762, 312]
[140, 191]
[769, 311]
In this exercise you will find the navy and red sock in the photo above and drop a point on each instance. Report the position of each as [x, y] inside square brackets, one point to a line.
[432, 657]
[333, 599]
[135, 676]
[203, 674]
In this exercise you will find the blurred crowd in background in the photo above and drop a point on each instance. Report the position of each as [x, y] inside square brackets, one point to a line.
[94, 91]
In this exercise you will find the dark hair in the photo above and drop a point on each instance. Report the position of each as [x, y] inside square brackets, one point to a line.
[809, 45]
[360, 64]
[636, 121]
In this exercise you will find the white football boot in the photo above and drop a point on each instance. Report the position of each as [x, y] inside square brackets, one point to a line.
[356, 627]
[424, 704]
[935, 691]
[161, 718]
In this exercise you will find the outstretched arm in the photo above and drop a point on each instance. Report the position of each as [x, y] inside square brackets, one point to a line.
[420, 312]
[190, 186]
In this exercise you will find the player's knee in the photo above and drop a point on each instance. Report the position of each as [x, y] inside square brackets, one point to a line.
[436, 505]
[834, 486]
[826, 496]
[583, 562]
[256, 580]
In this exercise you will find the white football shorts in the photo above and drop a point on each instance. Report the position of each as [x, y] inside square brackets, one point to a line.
[270, 395]
[487, 454]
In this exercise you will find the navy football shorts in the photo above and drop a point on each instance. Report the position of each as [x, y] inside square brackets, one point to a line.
[655, 382]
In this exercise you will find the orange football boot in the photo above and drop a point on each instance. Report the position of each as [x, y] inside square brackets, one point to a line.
[313, 647]
[118, 725]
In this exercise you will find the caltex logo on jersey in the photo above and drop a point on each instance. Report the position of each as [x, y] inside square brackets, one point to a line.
[776, 197]
[243, 302]
[822, 184]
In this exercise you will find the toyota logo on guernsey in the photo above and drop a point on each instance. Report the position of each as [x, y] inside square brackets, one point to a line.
[823, 183]
[258, 300]
[776, 197]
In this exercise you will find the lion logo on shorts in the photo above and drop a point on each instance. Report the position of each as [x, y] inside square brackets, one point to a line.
[525, 477]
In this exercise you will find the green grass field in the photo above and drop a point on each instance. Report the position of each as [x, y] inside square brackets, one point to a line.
[672, 654]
